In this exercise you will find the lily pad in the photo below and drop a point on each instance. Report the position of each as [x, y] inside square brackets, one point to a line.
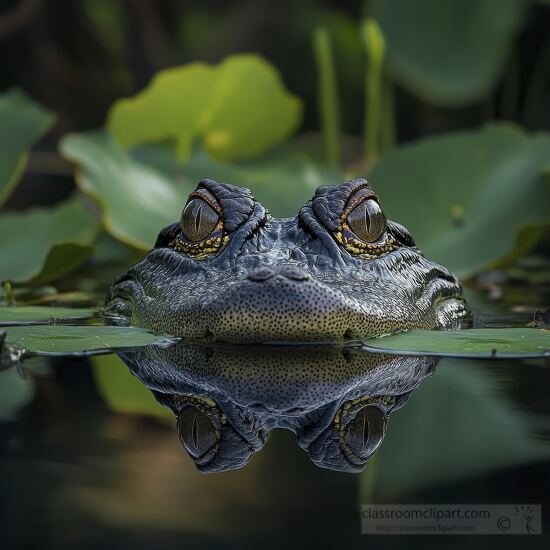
[239, 108]
[467, 196]
[480, 342]
[23, 122]
[63, 339]
[45, 243]
[450, 52]
[42, 314]
[137, 200]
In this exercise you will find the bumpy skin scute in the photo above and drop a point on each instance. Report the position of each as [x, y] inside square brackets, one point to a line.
[315, 288]
[248, 391]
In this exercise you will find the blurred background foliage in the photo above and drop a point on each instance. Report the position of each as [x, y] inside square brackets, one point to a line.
[112, 110]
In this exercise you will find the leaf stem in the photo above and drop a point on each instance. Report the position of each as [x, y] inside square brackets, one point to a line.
[375, 47]
[328, 96]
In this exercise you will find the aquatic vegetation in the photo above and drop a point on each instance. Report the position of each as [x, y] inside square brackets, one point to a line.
[238, 109]
[23, 123]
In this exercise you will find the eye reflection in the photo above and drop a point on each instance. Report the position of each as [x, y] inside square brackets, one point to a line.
[227, 399]
[366, 431]
[197, 434]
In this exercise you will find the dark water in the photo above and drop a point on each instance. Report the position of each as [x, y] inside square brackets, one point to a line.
[91, 459]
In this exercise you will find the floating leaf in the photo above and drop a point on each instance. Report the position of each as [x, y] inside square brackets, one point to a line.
[42, 243]
[502, 342]
[62, 339]
[450, 52]
[240, 108]
[466, 196]
[42, 314]
[23, 122]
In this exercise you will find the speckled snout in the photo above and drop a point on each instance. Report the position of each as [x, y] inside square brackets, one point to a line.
[281, 304]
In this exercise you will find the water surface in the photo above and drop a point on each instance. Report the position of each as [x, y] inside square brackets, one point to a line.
[90, 457]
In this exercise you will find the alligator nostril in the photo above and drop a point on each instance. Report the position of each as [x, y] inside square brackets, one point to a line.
[348, 335]
[294, 273]
[261, 274]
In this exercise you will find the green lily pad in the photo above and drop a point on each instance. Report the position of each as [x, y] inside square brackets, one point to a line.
[137, 200]
[467, 196]
[239, 108]
[45, 243]
[42, 314]
[62, 339]
[450, 52]
[484, 342]
[23, 122]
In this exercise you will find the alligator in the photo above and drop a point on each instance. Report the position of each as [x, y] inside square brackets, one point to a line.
[338, 271]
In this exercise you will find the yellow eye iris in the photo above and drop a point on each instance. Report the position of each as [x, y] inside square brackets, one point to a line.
[367, 221]
[363, 230]
[198, 220]
[202, 231]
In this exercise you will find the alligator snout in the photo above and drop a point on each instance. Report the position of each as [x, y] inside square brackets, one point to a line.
[281, 303]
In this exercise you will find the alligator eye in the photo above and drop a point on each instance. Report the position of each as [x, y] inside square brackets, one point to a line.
[197, 434]
[366, 431]
[367, 221]
[198, 220]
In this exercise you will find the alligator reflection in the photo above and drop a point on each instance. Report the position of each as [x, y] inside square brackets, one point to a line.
[227, 399]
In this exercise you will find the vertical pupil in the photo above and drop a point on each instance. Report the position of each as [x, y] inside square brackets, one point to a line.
[367, 220]
[198, 219]
[365, 431]
[195, 432]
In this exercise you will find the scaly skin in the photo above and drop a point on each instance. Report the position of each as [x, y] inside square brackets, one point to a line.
[234, 396]
[311, 278]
